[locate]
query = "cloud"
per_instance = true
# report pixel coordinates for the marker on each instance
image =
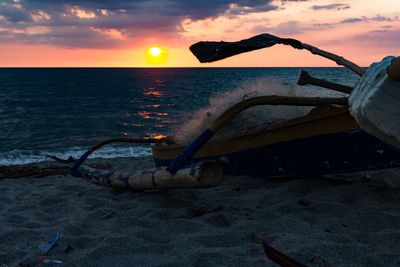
(235, 9)
(283, 1)
(289, 28)
(383, 38)
(376, 18)
(351, 20)
(330, 7)
(12, 11)
(74, 22)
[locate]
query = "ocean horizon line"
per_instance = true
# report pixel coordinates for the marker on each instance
(233, 67)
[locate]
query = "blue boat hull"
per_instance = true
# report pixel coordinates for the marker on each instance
(342, 152)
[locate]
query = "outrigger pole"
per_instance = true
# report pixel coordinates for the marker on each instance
(305, 79)
(213, 51)
(204, 174)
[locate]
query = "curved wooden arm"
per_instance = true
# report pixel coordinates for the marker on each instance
(188, 153)
(272, 100)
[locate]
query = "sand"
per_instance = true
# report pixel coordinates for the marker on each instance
(344, 220)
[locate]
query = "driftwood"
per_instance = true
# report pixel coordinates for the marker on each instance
(280, 258)
(275, 255)
(213, 51)
(20, 171)
(41, 169)
(137, 140)
(63, 166)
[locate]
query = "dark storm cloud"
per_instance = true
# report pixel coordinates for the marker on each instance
(210, 8)
(192, 8)
(68, 22)
(13, 14)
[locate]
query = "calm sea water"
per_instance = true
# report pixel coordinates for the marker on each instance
(64, 111)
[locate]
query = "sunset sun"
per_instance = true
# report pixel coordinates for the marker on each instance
(156, 55)
(155, 51)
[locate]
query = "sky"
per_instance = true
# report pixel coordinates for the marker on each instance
(119, 33)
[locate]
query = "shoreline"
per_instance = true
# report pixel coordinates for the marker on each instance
(340, 220)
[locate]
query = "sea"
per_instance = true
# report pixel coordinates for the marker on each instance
(63, 111)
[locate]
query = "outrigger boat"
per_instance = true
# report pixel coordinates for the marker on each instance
(340, 134)
(326, 141)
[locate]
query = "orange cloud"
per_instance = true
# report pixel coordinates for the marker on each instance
(82, 13)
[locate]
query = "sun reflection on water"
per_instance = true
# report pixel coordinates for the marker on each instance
(159, 136)
(152, 91)
(152, 110)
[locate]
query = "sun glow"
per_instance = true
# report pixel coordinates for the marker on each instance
(155, 51)
(156, 55)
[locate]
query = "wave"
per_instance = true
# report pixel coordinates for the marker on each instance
(21, 157)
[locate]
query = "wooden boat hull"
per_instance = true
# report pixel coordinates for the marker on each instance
(325, 141)
(375, 103)
(324, 154)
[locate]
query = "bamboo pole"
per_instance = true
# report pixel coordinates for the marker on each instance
(341, 61)
(201, 175)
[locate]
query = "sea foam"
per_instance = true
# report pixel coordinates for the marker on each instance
(19, 157)
(252, 118)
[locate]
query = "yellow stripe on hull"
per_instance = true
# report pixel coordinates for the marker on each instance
(321, 120)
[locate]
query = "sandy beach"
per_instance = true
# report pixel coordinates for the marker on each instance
(345, 220)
